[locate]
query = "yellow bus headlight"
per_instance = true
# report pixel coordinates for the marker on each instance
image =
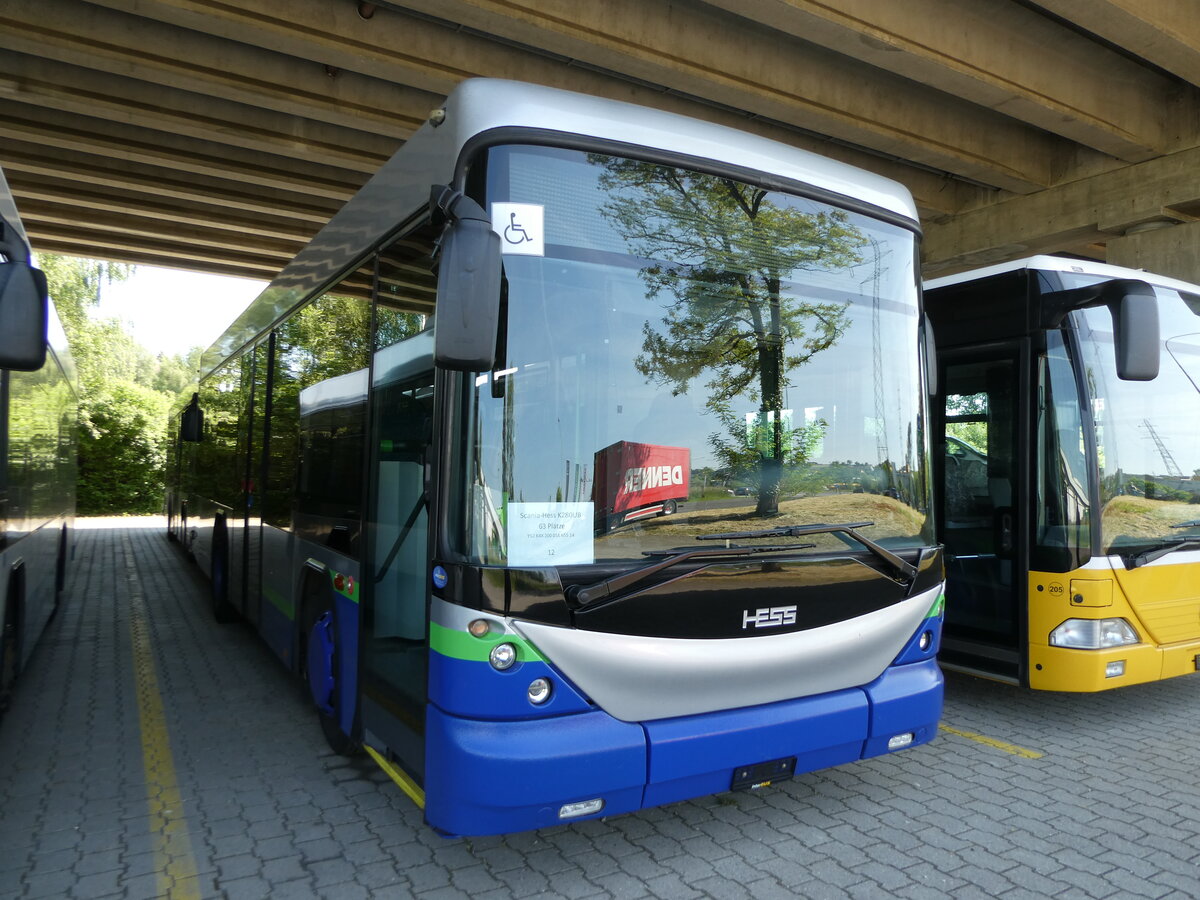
(1093, 634)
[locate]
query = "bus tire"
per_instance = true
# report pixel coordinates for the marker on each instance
(60, 570)
(669, 507)
(222, 609)
(10, 638)
(320, 664)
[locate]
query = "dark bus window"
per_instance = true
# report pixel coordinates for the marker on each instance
(314, 460)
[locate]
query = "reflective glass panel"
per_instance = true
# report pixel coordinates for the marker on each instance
(684, 355)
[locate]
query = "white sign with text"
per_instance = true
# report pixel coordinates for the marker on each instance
(550, 534)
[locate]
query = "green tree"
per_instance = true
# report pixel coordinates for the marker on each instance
(125, 392)
(123, 451)
(724, 251)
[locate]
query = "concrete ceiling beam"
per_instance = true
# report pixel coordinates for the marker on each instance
(89, 36)
(1163, 190)
(47, 196)
(72, 89)
(110, 246)
(24, 162)
(1005, 57)
(433, 56)
(707, 52)
(1163, 32)
(186, 156)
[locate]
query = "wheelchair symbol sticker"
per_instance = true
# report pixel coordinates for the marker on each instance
(520, 228)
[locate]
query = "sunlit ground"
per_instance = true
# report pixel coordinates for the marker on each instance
(121, 522)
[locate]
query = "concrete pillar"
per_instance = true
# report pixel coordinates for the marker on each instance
(1173, 250)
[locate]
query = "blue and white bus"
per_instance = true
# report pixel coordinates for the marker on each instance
(389, 467)
(38, 407)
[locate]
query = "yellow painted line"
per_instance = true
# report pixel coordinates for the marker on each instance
(174, 863)
(406, 784)
(992, 742)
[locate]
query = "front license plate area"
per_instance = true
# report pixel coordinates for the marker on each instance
(760, 775)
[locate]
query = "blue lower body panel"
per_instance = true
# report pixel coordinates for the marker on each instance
(493, 777)
(695, 755)
(489, 777)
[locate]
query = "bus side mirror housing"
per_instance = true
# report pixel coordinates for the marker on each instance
(467, 314)
(1136, 333)
(24, 305)
(1134, 311)
(191, 422)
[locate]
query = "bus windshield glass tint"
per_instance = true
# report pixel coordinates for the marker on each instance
(1147, 433)
(683, 354)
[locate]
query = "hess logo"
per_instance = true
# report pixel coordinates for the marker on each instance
(769, 617)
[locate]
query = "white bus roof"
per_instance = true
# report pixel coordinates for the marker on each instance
(1067, 265)
(399, 191)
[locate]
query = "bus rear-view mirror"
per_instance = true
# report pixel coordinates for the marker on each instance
(1135, 327)
(468, 292)
(24, 305)
(1134, 311)
(191, 422)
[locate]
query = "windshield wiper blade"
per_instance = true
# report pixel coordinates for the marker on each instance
(904, 570)
(583, 595)
(1149, 556)
(1195, 523)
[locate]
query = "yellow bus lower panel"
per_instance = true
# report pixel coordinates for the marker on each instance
(1101, 594)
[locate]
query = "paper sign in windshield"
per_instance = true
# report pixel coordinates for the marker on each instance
(520, 228)
(550, 534)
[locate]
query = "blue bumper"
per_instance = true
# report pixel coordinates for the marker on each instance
(490, 777)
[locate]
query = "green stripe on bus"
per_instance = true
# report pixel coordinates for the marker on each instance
(460, 645)
(281, 603)
(939, 606)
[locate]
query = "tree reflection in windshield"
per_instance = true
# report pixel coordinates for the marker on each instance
(726, 253)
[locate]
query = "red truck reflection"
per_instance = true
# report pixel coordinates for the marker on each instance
(637, 481)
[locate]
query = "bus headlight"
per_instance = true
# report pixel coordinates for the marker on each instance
(1093, 634)
(539, 691)
(503, 656)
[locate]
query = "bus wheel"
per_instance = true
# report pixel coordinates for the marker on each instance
(320, 667)
(669, 508)
(223, 610)
(10, 642)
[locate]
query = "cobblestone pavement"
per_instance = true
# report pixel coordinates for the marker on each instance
(1022, 795)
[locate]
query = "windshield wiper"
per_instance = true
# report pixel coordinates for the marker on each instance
(905, 571)
(1195, 523)
(583, 595)
(1149, 556)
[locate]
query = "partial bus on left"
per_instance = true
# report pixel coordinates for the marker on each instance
(38, 408)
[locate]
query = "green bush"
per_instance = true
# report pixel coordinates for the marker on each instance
(122, 449)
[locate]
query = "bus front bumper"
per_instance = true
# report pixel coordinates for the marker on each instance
(492, 777)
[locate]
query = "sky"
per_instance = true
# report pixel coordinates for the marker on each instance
(170, 310)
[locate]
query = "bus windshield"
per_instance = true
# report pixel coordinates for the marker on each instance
(686, 355)
(1148, 433)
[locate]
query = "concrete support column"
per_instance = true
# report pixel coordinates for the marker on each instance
(1173, 251)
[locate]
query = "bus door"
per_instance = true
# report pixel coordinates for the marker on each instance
(983, 480)
(395, 621)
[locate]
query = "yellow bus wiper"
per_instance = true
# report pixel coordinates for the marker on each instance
(1149, 556)
(904, 571)
(583, 595)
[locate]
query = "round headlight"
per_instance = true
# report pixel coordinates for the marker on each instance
(926, 640)
(539, 691)
(503, 656)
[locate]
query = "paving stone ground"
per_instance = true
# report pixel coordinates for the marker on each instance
(260, 808)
